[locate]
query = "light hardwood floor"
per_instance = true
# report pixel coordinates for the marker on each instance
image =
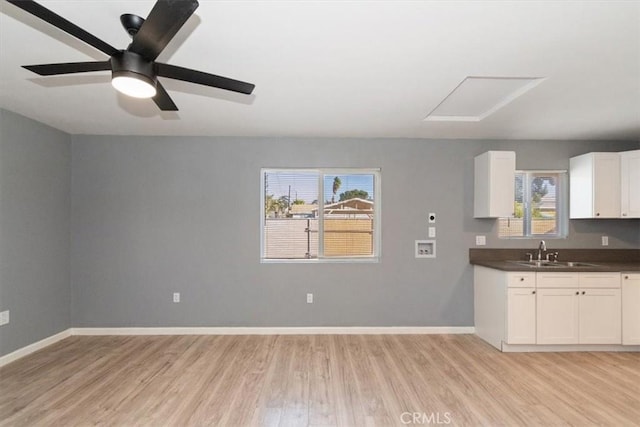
(320, 380)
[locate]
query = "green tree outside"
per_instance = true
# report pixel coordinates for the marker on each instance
(354, 194)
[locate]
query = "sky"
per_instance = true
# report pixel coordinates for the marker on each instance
(304, 185)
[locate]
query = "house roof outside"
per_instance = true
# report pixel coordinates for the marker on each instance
(354, 206)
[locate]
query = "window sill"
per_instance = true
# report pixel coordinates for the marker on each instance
(368, 260)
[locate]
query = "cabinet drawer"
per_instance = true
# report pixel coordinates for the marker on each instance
(558, 280)
(599, 280)
(521, 280)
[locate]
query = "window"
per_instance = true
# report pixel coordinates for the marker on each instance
(320, 214)
(539, 206)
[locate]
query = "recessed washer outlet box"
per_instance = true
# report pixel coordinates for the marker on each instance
(425, 248)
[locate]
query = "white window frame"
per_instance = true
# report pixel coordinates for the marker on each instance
(562, 206)
(377, 216)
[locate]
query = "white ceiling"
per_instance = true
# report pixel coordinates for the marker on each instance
(344, 69)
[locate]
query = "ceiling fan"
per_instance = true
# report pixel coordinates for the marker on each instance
(134, 71)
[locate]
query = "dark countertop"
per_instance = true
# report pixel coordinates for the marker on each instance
(598, 267)
(605, 260)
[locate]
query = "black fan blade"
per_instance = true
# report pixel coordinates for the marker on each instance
(206, 79)
(57, 21)
(164, 21)
(163, 100)
(68, 68)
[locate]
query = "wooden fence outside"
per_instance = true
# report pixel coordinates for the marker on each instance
(287, 238)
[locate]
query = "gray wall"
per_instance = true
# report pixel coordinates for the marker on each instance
(148, 216)
(154, 215)
(35, 172)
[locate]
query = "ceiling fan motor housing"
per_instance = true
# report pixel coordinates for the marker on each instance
(131, 23)
(130, 64)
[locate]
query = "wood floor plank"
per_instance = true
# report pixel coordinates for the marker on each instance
(295, 411)
(323, 380)
(348, 407)
(322, 398)
(376, 409)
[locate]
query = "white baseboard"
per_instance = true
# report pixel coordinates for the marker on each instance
(24, 351)
(352, 330)
(532, 348)
(240, 330)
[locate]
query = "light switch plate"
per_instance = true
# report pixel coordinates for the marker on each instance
(605, 240)
(481, 240)
(432, 232)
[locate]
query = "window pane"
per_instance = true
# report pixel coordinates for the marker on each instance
(349, 215)
(291, 214)
(538, 206)
(543, 205)
(319, 214)
(514, 227)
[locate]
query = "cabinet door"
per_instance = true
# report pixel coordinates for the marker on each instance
(631, 309)
(557, 316)
(630, 183)
(600, 316)
(606, 185)
(521, 316)
(494, 184)
(594, 186)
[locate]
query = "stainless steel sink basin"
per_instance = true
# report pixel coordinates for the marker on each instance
(577, 264)
(554, 264)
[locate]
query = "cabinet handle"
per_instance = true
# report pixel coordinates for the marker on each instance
(626, 277)
(533, 292)
(624, 214)
(577, 293)
(598, 214)
(522, 279)
(583, 292)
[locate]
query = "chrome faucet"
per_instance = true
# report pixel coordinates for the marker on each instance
(541, 248)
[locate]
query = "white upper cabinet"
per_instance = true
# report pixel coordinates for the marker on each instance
(494, 184)
(630, 183)
(595, 186)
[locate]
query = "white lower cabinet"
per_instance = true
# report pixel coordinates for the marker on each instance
(558, 316)
(547, 308)
(579, 308)
(504, 306)
(600, 316)
(631, 308)
(521, 315)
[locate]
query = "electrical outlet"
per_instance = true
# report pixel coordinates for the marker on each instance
(481, 240)
(605, 240)
(176, 297)
(4, 318)
(309, 298)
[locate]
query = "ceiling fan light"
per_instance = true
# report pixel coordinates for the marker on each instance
(133, 84)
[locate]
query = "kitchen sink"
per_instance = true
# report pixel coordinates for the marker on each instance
(554, 264)
(577, 264)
